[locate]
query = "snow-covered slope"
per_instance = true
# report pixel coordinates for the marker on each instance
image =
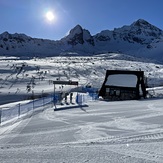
(140, 39)
(21, 78)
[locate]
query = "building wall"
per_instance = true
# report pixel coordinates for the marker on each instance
(123, 85)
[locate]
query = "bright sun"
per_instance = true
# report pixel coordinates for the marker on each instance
(50, 16)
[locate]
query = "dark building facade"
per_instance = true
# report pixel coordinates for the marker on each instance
(123, 85)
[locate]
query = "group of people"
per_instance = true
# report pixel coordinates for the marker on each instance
(63, 96)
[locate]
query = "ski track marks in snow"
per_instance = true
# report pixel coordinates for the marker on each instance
(123, 125)
(103, 132)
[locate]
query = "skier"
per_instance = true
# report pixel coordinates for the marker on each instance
(66, 94)
(71, 95)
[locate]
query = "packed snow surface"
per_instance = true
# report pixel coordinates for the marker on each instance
(98, 131)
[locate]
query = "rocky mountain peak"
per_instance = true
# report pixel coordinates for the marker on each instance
(141, 22)
(78, 35)
(76, 30)
(4, 35)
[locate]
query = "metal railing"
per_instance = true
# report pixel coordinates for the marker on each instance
(17, 110)
(14, 111)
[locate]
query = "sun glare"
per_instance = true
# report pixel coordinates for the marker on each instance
(50, 16)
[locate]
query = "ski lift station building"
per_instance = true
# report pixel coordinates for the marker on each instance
(123, 85)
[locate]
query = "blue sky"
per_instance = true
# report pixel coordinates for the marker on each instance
(28, 16)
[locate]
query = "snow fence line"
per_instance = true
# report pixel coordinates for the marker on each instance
(14, 111)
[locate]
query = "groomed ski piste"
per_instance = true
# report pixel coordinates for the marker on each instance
(90, 131)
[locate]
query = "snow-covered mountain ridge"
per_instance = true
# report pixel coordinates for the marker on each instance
(140, 39)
